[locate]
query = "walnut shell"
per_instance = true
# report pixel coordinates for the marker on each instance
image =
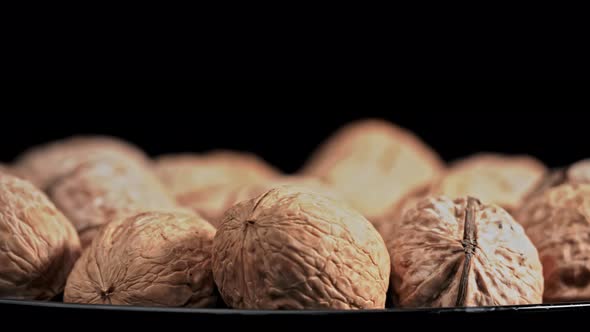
(558, 223)
(203, 182)
(493, 178)
(38, 245)
(578, 172)
(99, 191)
(147, 259)
(44, 163)
(463, 253)
(373, 164)
(296, 249)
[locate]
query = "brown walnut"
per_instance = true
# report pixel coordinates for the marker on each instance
(374, 164)
(291, 248)
(558, 222)
(147, 259)
(38, 245)
(462, 253)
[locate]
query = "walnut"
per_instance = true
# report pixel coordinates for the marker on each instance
(99, 191)
(373, 164)
(558, 223)
(203, 182)
(43, 164)
(493, 178)
(4, 169)
(38, 245)
(578, 172)
(462, 253)
(291, 248)
(147, 259)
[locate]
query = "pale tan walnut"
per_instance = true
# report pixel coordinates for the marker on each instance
(38, 245)
(44, 163)
(99, 191)
(494, 178)
(147, 259)
(373, 164)
(462, 253)
(558, 223)
(291, 248)
(203, 182)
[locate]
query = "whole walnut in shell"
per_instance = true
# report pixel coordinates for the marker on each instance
(558, 223)
(462, 253)
(99, 191)
(295, 249)
(373, 164)
(578, 172)
(493, 178)
(204, 182)
(38, 245)
(147, 259)
(44, 163)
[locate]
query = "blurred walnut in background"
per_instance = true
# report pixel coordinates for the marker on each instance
(373, 164)
(203, 182)
(47, 162)
(38, 245)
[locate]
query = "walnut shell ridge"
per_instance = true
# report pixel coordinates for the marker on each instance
(294, 249)
(373, 164)
(148, 259)
(558, 223)
(439, 259)
(38, 245)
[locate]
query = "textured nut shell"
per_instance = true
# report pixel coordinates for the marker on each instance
(294, 249)
(493, 178)
(43, 164)
(427, 257)
(203, 182)
(102, 190)
(579, 172)
(38, 245)
(148, 259)
(558, 223)
(373, 164)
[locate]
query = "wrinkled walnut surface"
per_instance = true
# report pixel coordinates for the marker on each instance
(558, 223)
(373, 164)
(99, 191)
(148, 259)
(203, 182)
(44, 163)
(38, 245)
(430, 248)
(493, 178)
(295, 249)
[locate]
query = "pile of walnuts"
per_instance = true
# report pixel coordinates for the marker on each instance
(374, 219)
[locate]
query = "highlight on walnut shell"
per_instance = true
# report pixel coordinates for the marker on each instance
(461, 252)
(99, 191)
(373, 164)
(42, 164)
(148, 259)
(558, 223)
(494, 178)
(38, 245)
(203, 182)
(295, 249)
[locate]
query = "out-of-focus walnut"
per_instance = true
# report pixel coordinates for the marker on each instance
(578, 172)
(99, 191)
(462, 253)
(558, 223)
(493, 178)
(4, 169)
(291, 248)
(203, 182)
(373, 164)
(43, 164)
(147, 259)
(38, 245)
